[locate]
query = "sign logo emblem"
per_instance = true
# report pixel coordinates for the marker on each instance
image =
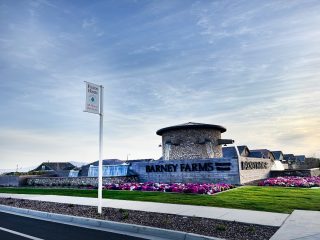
(92, 99)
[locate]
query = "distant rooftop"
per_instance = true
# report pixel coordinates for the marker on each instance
(301, 157)
(278, 154)
(267, 153)
(191, 125)
(257, 154)
(56, 166)
(231, 151)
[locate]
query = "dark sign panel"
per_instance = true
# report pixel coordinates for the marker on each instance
(253, 165)
(192, 167)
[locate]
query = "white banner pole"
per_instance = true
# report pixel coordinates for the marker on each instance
(100, 151)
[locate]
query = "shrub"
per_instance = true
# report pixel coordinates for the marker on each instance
(251, 229)
(221, 227)
(165, 222)
(126, 216)
(71, 205)
(53, 184)
(122, 210)
(69, 184)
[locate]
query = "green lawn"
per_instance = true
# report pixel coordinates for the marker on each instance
(270, 199)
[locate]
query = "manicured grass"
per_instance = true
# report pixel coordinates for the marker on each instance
(270, 199)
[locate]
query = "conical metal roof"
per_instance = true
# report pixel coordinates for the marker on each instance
(191, 125)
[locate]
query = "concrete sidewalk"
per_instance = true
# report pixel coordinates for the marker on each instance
(228, 214)
(300, 225)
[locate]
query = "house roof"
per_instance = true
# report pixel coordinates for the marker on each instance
(265, 152)
(191, 125)
(107, 162)
(301, 157)
(289, 157)
(256, 154)
(242, 148)
(231, 151)
(277, 154)
(58, 166)
(140, 160)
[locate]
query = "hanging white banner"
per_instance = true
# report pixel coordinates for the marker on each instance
(92, 98)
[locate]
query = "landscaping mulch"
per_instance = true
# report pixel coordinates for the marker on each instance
(255, 182)
(197, 225)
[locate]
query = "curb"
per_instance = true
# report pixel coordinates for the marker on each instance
(148, 231)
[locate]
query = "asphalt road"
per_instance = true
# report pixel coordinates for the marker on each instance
(40, 229)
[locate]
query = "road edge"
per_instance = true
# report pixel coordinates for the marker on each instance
(106, 225)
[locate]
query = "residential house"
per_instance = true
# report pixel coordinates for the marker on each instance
(289, 158)
(256, 154)
(61, 169)
(267, 153)
(300, 158)
(231, 151)
(279, 155)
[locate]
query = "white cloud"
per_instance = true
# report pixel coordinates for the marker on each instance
(71, 36)
(37, 3)
(100, 33)
(88, 22)
(147, 49)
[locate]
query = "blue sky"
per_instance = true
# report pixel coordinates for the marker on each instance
(251, 66)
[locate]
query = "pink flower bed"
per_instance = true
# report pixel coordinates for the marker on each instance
(204, 188)
(305, 182)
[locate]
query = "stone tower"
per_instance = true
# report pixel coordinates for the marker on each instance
(191, 141)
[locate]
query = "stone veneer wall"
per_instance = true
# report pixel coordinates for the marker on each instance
(285, 165)
(15, 181)
(314, 172)
(188, 148)
(9, 181)
(23, 179)
(82, 180)
(225, 170)
(299, 167)
(294, 166)
(247, 175)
